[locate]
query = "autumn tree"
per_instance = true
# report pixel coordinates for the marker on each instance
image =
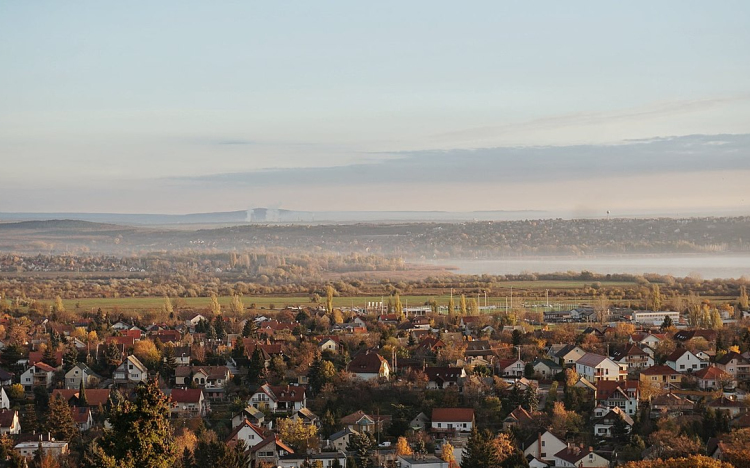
(462, 304)
(446, 454)
(654, 299)
(235, 305)
(696, 461)
(329, 299)
(146, 352)
(139, 435)
(402, 447)
(742, 302)
(296, 433)
(214, 305)
(360, 444)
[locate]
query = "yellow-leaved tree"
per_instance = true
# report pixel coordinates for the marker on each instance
(402, 447)
(296, 433)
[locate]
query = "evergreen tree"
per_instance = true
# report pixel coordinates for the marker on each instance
(238, 350)
(168, 362)
(250, 329)
(530, 398)
(48, 357)
(60, 423)
(480, 451)
(221, 334)
(360, 445)
(82, 400)
(667, 323)
(140, 435)
(257, 366)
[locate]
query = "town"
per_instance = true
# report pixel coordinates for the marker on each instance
(377, 386)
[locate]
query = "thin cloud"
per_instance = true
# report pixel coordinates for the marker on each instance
(672, 155)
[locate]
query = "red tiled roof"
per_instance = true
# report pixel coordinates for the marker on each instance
(186, 395)
(659, 370)
(80, 415)
(452, 415)
(94, 396)
(712, 373)
(6, 417)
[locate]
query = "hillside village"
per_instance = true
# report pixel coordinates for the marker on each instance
(325, 387)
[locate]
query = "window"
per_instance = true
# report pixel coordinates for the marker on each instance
(543, 442)
(682, 366)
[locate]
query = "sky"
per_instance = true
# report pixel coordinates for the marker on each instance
(184, 107)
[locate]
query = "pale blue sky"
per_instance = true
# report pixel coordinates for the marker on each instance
(147, 106)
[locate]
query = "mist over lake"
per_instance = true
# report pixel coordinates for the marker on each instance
(707, 266)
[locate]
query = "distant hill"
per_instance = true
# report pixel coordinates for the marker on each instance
(271, 215)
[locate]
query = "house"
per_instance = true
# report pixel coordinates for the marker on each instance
(576, 457)
(420, 461)
(212, 379)
(704, 337)
(369, 365)
(322, 459)
(6, 378)
(444, 377)
(279, 399)
(81, 372)
(39, 374)
(510, 367)
(340, 439)
(9, 422)
(251, 434)
(360, 421)
(188, 403)
(451, 420)
(131, 371)
(670, 405)
(516, 417)
(182, 355)
(270, 450)
(633, 357)
(595, 367)
(420, 422)
(733, 407)
(4, 400)
(329, 343)
(566, 355)
(713, 378)
(83, 417)
(647, 339)
(95, 397)
(734, 364)
(479, 349)
(194, 320)
(54, 448)
(662, 376)
(606, 418)
(307, 417)
(547, 368)
(683, 361)
(252, 414)
(543, 446)
(622, 394)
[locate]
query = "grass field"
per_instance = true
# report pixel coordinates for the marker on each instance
(497, 298)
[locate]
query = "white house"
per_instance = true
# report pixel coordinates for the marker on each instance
(567, 355)
(595, 367)
(683, 360)
(130, 371)
(9, 422)
(576, 457)
(543, 447)
(322, 459)
(49, 447)
(4, 400)
(81, 372)
(370, 365)
(605, 418)
(188, 403)
(251, 434)
(40, 374)
(451, 420)
(280, 399)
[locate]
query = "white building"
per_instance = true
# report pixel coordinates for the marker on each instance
(595, 367)
(130, 371)
(647, 317)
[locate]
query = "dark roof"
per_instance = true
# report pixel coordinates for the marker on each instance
(727, 358)
(6, 417)
(452, 414)
(366, 363)
(659, 370)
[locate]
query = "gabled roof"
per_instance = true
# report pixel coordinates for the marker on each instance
(630, 350)
(520, 414)
(186, 395)
(724, 402)
(573, 454)
(343, 433)
(7, 417)
(616, 411)
(547, 362)
(245, 423)
(80, 415)
(269, 440)
(606, 389)
(452, 415)
(94, 396)
(505, 363)
(137, 363)
(727, 358)
(591, 359)
(44, 367)
(685, 335)
(368, 362)
(659, 370)
(712, 373)
(445, 374)
(677, 354)
(357, 416)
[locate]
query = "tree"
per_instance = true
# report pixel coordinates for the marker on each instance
(59, 306)
(296, 433)
(667, 323)
(481, 451)
(360, 444)
(250, 329)
(446, 454)
(530, 398)
(463, 304)
(320, 373)
(168, 308)
(82, 400)
(219, 328)
(451, 307)
(60, 422)
(329, 299)
(140, 434)
(214, 305)
(742, 302)
(696, 461)
(146, 352)
(398, 307)
(654, 300)
(236, 306)
(257, 366)
(402, 447)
